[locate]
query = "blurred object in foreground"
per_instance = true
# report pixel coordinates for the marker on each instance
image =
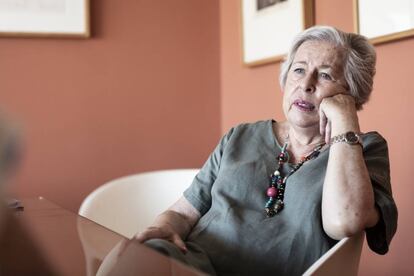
(14, 204)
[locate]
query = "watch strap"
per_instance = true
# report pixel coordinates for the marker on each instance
(349, 137)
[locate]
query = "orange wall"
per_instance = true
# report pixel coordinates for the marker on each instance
(141, 94)
(249, 94)
(145, 92)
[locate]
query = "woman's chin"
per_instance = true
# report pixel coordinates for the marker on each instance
(303, 121)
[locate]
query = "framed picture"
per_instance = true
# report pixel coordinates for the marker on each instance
(57, 18)
(383, 21)
(269, 26)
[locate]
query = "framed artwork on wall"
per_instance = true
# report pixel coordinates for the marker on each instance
(44, 18)
(269, 26)
(383, 21)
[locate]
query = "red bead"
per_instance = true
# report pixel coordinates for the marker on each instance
(271, 192)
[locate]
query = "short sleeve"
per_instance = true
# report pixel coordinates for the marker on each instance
(199, 192)
(377, 162)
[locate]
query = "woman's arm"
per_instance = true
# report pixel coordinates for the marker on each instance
(173, 225)
(348, 204)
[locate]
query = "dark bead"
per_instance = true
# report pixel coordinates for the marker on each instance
(270, 212)
(278, 206)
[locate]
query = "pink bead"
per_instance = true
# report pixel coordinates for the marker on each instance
(271, 192)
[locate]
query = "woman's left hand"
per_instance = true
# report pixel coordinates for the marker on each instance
(338, 115)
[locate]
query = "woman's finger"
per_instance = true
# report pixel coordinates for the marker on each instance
(328, 132)
(176, 239)
(150, 233)
(158, 233)
(322, 122)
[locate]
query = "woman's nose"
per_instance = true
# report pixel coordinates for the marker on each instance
(308, 83)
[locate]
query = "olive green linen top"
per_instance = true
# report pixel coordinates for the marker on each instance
(230, 194)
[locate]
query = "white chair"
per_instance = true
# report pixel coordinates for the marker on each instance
(340, 260)
(129, 204)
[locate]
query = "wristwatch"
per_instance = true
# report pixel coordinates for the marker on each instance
(349, 137)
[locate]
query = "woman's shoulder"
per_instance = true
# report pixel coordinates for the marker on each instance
(374, 143)
(373, 137)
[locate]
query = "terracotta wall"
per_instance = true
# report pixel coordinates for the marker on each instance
(145, 92)
(250, 94)
(141, 94)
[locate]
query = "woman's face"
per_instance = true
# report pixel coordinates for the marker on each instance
(316, 73)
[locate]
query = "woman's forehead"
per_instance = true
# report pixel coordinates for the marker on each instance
(320, 53)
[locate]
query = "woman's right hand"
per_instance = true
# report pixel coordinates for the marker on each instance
(172, 225)
(165, 232)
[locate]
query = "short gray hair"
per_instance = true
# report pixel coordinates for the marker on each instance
(360, 59)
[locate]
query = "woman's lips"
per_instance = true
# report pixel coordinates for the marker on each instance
(304, 105)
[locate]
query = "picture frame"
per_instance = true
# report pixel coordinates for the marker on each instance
(269, 26)
(45, 18)
(384, 21)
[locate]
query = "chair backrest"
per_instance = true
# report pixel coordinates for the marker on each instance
(129, 204)
(341, 260)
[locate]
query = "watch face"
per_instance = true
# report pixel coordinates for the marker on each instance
(351, 137)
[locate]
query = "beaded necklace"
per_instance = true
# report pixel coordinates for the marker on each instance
(276, 190)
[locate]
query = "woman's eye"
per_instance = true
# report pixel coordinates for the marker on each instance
(325, 76)
(299, 70)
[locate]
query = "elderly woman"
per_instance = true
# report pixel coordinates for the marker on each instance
(276, 195)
